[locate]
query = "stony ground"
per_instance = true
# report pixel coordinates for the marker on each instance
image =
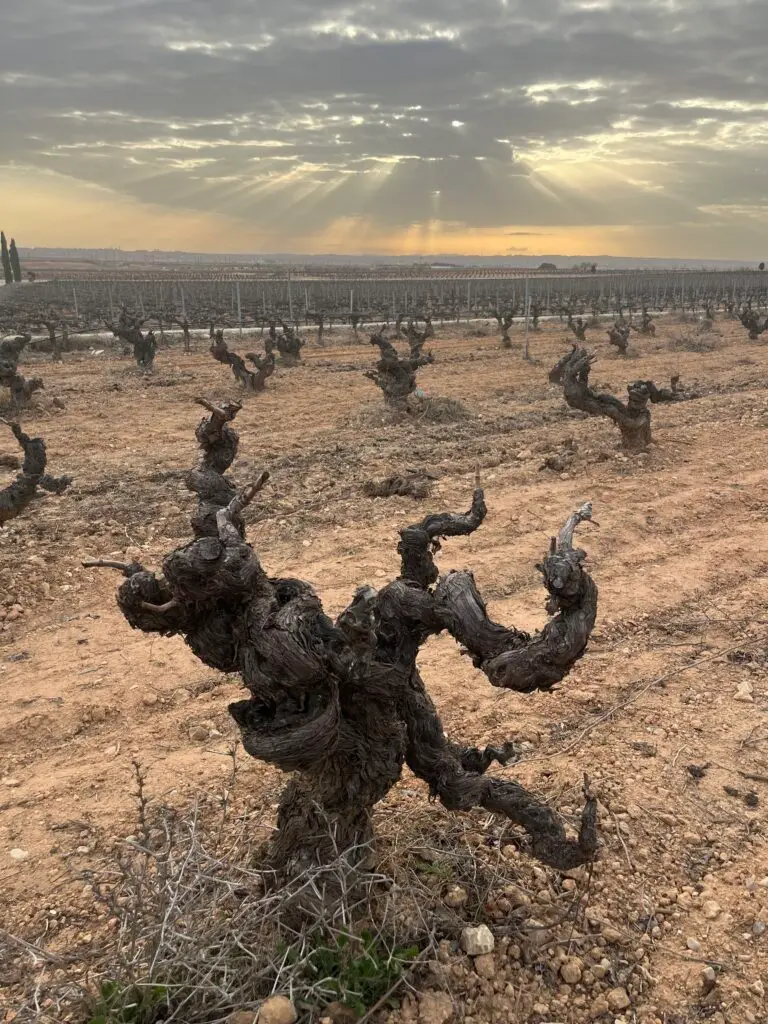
(667, 712)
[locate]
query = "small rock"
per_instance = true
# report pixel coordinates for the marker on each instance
(455, 897)
(571, 971)
(758, 929)
(149, 700)
(198, 734)
(757, 988)
(338, 1013)
(711, 910)
(600, 970)
(612, 935)
(618, 999)
(744, 692)
(435, 1008)
(485, 966)
(477, 941)
(708, 979)
(516, 896)
(11, 783)
(19, 854)
(277, 1010)
(694, 945)
(578, 874)
(599, 1007)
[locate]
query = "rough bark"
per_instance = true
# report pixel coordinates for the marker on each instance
(618, 336)
(578, 327)
(417, 338)
(21, 388)
(288, 343)
(342, 704)
(556, 373)
(395, 374)
(54, 340)
(505, 320)
(128, 330)
(186, 337)
(633, 418)
(751, 322)
(647, 326)
(19, 493)
(251, 380)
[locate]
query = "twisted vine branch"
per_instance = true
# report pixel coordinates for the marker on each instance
(342, 704)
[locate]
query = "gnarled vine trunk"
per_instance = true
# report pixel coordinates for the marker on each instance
(289, 343)
(395, 374)
(186, 337)
(505, 319)
(128, 330)
(647, 326)
(21, 388)
(19, 493)
(251, 380)
(618, 336)
(750, 320)
(342, 704)
(578, 327)
(633, 418)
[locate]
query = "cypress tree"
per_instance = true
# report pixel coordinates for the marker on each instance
(7, 272)
(15, 261)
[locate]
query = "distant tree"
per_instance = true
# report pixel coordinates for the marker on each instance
(547, 266)
(7, 271)
(13, 255)
(761, 267)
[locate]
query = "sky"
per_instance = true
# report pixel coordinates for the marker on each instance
(622, 127)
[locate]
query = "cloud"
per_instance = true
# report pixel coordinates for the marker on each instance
(310, 121)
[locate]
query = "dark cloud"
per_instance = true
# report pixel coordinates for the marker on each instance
(292, 114)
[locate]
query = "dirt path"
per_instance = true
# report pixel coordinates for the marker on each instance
(681, 559)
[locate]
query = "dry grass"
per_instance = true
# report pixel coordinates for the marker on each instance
(197, 930)
(698, 337)
(408, 485)
(439, 410)
(419, 409)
